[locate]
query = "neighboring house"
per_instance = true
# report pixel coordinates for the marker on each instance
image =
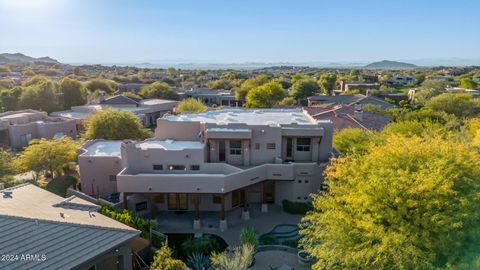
(346, 116)
(212, 97)
(213, 161)
(40, 230)
(401, 80)
(148, 110)
(130, 87)
(325, 100)
(17, 128)
(344, 86)
(352, 116)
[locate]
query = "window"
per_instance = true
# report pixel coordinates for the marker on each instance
(303, 144)
(217, 199)
(157, 167)
(195, 167)
(58, 135)
(270, 146)
(159, 198)
(235, 148)
(112, 178)
(257, 146)
(177, 167)
(24, 139)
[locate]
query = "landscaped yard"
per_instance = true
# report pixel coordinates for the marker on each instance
(59, 185)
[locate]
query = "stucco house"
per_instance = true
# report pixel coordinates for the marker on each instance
(212, 97)
(17, 128)
(213, 161)
(148, 110)
(40, 230)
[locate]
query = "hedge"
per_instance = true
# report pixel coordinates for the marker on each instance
(127, 218)
(296, 208)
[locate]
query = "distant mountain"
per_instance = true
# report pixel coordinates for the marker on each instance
(19, 58)
(386, 64)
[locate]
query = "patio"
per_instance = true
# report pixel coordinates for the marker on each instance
(171, 222)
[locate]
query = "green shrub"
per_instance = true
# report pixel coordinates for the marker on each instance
(268, 239)
(127, 218)
(291, 243)
(296, 208)
(205, 244)
(249, 236)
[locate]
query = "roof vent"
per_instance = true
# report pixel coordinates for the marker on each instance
(7, 194)
(62, 215)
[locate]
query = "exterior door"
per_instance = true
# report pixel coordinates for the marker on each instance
(269, 191)
(221, 151)
(177, 201)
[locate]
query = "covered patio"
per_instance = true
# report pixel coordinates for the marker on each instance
(262, 222)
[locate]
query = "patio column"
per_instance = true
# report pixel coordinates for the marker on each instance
(245, 212)
(264, 197)
(223, 220)
(151, 204)
(125, 202)
(196, 221)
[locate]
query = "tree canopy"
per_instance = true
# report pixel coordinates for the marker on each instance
(71, 93)
(190, 105)
(50, 156)
(108, 86)
(411, 203)
(40, 97)
(265, 96)
(460, 105)
(249, 84)
(6, 167)
(158, 90)
(115, 125)
(327, 82)
(304, 88)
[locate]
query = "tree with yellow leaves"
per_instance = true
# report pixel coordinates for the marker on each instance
(410, 203)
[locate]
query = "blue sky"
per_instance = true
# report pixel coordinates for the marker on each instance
(240, 31)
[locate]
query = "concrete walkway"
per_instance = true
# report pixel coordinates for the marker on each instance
(170, 222)
(265, 260)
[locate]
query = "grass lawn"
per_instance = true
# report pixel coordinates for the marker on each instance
(59, 185)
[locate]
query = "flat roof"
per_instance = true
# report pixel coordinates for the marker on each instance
(104, 149)
(247, 116)
(72, 114)
(154, 101)
(170, 145)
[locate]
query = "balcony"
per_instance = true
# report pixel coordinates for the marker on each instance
(213, 178)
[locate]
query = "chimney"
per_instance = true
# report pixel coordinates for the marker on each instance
(342, 86)
(358, 113)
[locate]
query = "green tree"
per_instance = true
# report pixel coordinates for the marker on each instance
(304, 88)
(354, 140)
(191, 105)
(105, 85)
(327, 82)
(163, 260)
(460, 105)
(411, 203)
(6, 167)
(158, 90)
(46, 156)
(42, 97)
(9, 99)
(6, 83)
(468, 83)
(115, 125)
(249, 84)
(429, 89)
(425, 128)
(265, 96)
(239, 259)
(37, 79)
(288, 101)
(71, 93)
